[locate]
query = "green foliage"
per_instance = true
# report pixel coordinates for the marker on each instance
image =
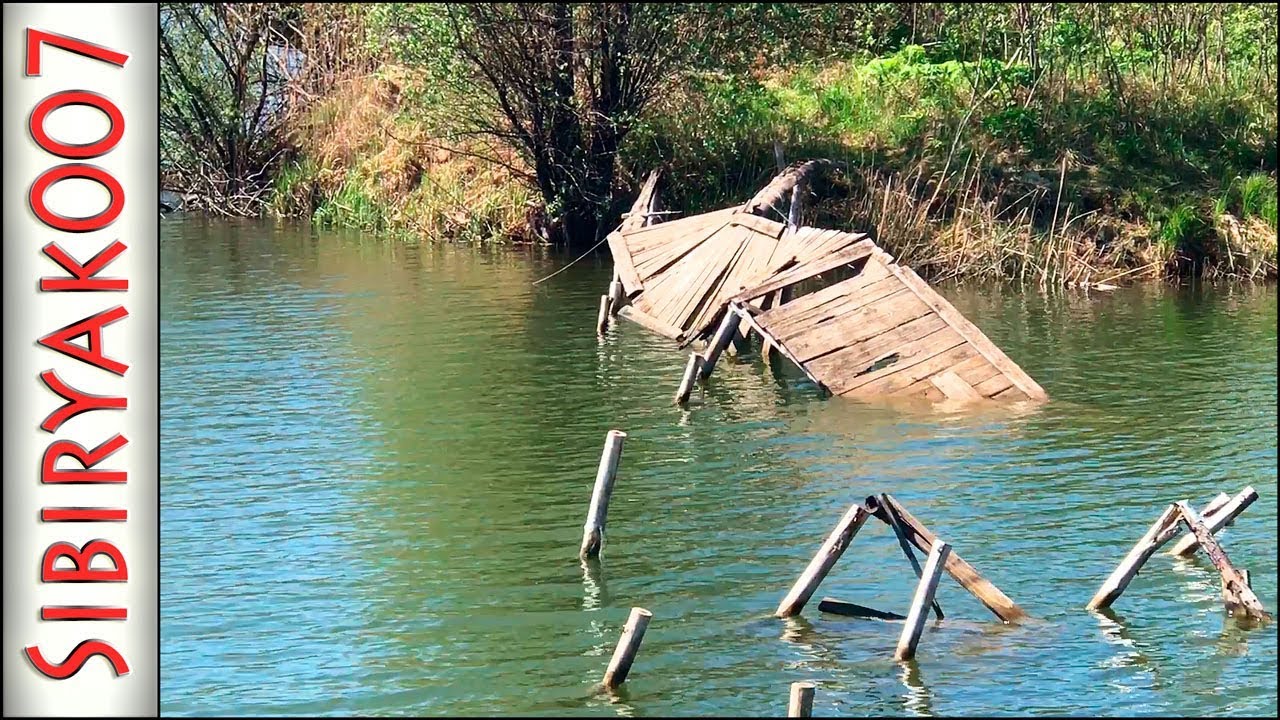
(1181, 229)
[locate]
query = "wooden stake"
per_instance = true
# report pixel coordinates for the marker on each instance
(1119, 579)
(724, 336)
(896, 524)
(1216, 518)
(801, 704)
(602, 318)
(598, 512)
(925, 591)
(1165, 529)
(1236, 593)
(616, 296)
(690, 376)
(832, 548)
(628, 645)
(964, 573)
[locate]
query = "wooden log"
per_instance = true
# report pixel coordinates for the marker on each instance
(896, 524)
(848, 609)
(628, 645)
(602, 318)
(1236, 593)
(925, 591)
(964, 573)
(1217, 518)
(598, 511)
(1165, 529)
(720, 341)
(691, 372)
(801, 702)
(832, 548)
(771, 195)
(1119, 579)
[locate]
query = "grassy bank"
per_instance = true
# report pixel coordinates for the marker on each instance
(959, 168)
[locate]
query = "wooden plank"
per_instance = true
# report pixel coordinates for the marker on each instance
(970, 332)
(1219, 515)
(804, 272)
(748, 311)
(647, 321)
(964, 573)
(842, 309)
(848, 361)
(848, 609)
(994, 385)
(764, 226)
(849, 329)
(954, 388)
(976, 370)
(1237, 594)
(622, 264)
(847, 295)
(932, 354)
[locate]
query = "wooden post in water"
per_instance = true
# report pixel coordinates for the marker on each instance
(925, 591)
(628, 645)
(691, 372)
(896, 524)
(1236, 593)
(801, 703)
(832, 548)
(593, 530)
(616, 296)
(602, 318)
(724, 336)
(1165, 529)
(1217, 518)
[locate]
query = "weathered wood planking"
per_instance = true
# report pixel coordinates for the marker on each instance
(885, 332)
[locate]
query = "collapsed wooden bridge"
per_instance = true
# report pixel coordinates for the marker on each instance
(879, 331)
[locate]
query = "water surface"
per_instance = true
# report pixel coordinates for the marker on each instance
(377, 458)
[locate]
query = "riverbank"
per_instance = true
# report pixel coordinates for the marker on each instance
(960, 169)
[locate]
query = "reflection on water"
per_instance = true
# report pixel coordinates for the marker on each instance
(377, 459)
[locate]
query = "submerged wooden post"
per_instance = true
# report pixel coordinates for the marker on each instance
(896, 524)
(925, 591)
(602, 318)
(1237, 595)
(832, 548)
(801, 703)
(1165, 529)
(628, 645)
(593, 530)
(964, 573)
(724, 336)
(1217, 518)
(691, 372)
(1119, 579)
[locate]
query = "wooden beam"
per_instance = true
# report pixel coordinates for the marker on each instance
(649, 322)
(1237, 595)
(800, 273)
(832, 548)
(848, 609)
(1217, 518)
(598, 511)
(896, 524)
(691, 373)
(751, 323)
(964, 573)
(628, 645)
(925, 591)
(801, 702)
(1147, 546)
(720, 341)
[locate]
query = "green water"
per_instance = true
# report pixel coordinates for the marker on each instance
(377, 458)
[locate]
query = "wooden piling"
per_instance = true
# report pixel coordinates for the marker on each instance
(602, 318)
(1236, 593)
(1165, 529)
(691, 372)
(598, 512)
(801, 703)
(1119, 579)
(616, 296)
(1216, 518)
(925, 591)
(964, 573)
(832, 548)
(896, 524)
(724, 336)
(628, 645)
